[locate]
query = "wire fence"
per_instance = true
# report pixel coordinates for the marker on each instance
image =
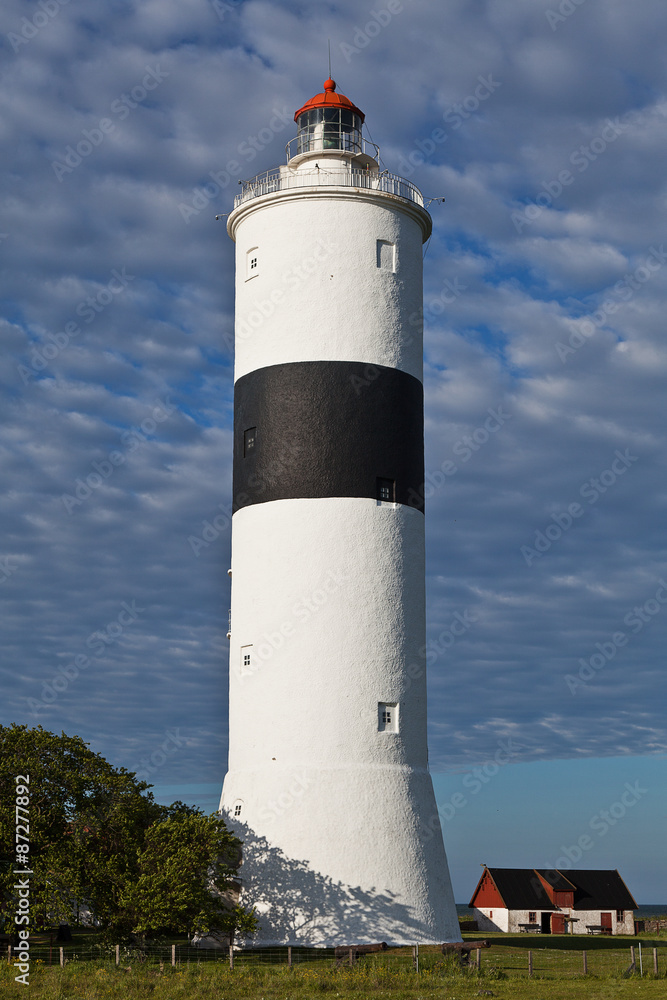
(498, 962)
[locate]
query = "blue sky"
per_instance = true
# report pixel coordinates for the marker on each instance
(126, 127)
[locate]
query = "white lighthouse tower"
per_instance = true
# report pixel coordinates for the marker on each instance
(328, 783)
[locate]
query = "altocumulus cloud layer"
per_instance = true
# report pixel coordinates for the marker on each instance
(126, 126)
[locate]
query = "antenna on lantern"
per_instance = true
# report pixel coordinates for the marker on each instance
(329, 41)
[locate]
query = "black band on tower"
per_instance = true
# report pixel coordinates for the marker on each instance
(328, 429)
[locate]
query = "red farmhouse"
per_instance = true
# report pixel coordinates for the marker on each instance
(546, 901)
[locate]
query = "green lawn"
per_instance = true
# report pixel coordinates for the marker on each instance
(557, 974)
(91, 981)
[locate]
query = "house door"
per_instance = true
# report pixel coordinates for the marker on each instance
(605, 923)
(557, 923)
(546, 923)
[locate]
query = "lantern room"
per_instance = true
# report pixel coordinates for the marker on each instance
(329, 121)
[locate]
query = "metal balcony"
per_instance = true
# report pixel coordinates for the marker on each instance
(280, 180)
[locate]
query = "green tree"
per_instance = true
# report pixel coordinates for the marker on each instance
(185, 881)
(99, 839)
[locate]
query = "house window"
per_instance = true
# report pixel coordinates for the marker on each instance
(386, 255)
(620, 916)
(249, 439)
(490, 914)
(532, 917)
(237, 809)
(387, 717)
(252, 263)
(386, 490)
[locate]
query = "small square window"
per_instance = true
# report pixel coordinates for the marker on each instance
(249, 441)
(620, 916)
(532, 917)
(252, 263)
(386, 490)
(237, 810)
(246, 661)
(387, 717)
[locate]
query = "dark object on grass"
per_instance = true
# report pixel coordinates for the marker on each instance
(353, 952)
(463, 949)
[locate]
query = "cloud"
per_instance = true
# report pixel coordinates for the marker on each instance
(163, 336)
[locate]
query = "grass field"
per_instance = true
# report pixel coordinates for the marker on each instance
(557, 974)
(215, 982)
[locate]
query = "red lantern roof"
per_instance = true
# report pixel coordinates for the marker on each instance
(330, 99)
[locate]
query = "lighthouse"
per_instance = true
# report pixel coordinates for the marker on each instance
(328, 784)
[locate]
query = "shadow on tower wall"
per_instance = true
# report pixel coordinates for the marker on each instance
(297, 905)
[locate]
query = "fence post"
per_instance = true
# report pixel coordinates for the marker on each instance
(117, 954)
(530, 963)
(173, 954)
(289, 956)
(655, 961)
(585, 963)
(632, 954)
(62, 958)
(415, 957)
(231, 957)
(9, 954)
(478, 959)
(351, 959)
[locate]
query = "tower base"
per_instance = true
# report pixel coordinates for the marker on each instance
(345, 857)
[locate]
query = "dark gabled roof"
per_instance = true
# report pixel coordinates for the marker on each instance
(600, 890)
(520, 889)
(556, 880)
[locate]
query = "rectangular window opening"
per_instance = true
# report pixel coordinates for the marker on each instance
(252, 263)
(386, 255)
(387, 717)
(386, 490)
(249, 440)
(246, 660)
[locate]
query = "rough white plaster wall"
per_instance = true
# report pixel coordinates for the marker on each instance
(592, 917)
(517, 917)
(319, 294)
(341, 855)
(509, 920)
(333, 606)
(498, 922)
(330, 593)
